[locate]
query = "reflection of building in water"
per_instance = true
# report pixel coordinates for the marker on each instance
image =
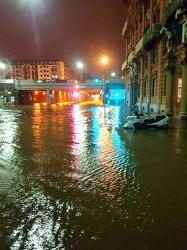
(155, 34)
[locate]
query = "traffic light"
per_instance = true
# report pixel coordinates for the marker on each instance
(96, 79)
(50, 94)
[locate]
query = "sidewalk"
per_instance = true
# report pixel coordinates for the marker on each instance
(176, 123)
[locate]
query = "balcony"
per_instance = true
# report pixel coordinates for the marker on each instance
(131, 57)
(152, 36)
(138, 46)
(170, 8)
(142, 1)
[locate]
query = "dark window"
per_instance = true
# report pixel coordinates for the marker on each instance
(145, 62)
(164, 46)
(154, 55)
(139, 68)
(145, 88)
(178, 35)
(164, 87)
(153, 89)
(138, 90)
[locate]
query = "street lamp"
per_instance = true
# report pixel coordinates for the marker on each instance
(104, 61)
(80, 66)
(113, 74)
(2, 65)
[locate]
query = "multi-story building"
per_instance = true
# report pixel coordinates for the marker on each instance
(155, 66)
(39, 70)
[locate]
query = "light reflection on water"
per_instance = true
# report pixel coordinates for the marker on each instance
(72, 178)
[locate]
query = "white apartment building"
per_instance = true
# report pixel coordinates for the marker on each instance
(39, 70)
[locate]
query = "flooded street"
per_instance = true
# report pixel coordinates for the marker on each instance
(72, 178)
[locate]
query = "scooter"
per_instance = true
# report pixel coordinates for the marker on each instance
(140, 121)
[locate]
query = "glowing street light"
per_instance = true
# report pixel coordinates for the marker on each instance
(113, 74)
(2, 65)
(3, 72)
(104, 60)
(75, 94)
(80, 66)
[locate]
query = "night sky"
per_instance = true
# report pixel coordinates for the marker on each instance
(67, 30)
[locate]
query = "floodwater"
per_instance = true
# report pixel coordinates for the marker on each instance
(72, 178)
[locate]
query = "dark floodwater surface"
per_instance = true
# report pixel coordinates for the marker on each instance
(72, 178)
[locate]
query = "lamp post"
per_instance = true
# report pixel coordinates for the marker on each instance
(80, 66)
(104, 61)
(2, 69)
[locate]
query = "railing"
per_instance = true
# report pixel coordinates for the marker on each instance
(170, 7)
(131, 56)
(124, 29)
(147, 14)
(152, 33)
(124, 65)
(138, 46)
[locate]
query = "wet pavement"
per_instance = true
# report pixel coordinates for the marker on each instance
(72, 178)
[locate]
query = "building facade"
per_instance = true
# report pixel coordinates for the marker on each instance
(39, 70)
(155, 66)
